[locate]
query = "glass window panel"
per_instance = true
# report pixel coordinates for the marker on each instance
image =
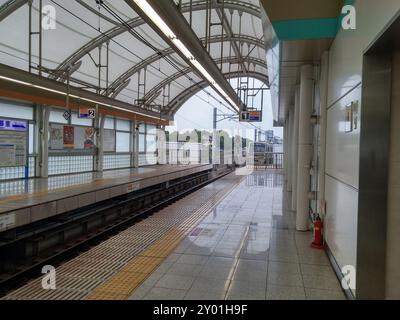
(142, 143)
(81, 122)
(123, 142)
(142, 128)
(11, 110)
(56, 115)
(124, 125)
(109, 123)
(151, 144)
(151, 129)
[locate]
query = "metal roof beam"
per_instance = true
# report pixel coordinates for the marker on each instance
(227, 28)
(9, 7)
(138, 21)
(184, 96)
(136, 68)
(177, 75)
(169, 13)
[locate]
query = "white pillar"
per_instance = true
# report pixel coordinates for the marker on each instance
(323, 123)
(289, 150)
(305, 148)
(295, 146)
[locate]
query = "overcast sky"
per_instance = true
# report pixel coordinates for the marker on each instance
(197, 113)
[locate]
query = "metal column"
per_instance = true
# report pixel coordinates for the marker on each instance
(305, 148)
(99, 127)
(136, 145)
(43, 114)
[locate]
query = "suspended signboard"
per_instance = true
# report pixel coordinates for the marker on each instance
(13, 143)
(87, 113)
(250, 116)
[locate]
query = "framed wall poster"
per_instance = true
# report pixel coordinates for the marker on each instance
(69, 137)
(56, 137)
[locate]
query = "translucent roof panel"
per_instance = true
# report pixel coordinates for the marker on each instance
(84, 26)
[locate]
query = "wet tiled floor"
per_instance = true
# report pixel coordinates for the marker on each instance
(246, 248)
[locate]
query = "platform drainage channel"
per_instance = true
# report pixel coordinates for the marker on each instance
(114, 268)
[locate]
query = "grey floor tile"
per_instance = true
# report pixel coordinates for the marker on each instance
(314, 259)
(319, 282)
(193, 259)
(285, 279)
(152, 279)
(205, 295)
(172, 257)
(252, 265)
(283, 267)
(318, 294)
(244, 274)
(244, 290)
(213, 272)
(223, 262)
(165, 294)
(281, 257)
(209, 284)
(275, 292)
(184, 269)
(321, 270)
(163, 267)
(175, 282)
(140, 292)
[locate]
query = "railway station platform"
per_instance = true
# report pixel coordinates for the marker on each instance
(25, 202)
(232, 239)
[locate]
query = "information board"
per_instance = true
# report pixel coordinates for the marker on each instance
(250, 116)
(13, 143)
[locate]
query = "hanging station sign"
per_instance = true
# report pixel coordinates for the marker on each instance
(87, 113)
(13, 143)
(250, 116)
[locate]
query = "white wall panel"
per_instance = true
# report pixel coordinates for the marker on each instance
(347, 50)
(341, 221)
(343, 149)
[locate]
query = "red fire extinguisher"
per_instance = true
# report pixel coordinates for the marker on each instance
(318, 241)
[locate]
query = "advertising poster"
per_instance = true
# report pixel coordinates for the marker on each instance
(84, 138)
(56, 137)
(68, 137)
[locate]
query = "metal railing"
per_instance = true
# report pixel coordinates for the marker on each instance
(269, 160)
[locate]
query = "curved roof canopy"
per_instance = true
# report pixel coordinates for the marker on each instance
(110, 50)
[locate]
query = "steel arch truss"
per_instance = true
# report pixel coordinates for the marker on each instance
(185, 95)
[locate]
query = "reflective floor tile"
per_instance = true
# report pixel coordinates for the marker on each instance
(318, 294)
(165, 294)
(275, 292)
(175, 282)
(285, 279)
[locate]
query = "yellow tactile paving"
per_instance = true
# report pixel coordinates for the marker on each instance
(122, 285)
